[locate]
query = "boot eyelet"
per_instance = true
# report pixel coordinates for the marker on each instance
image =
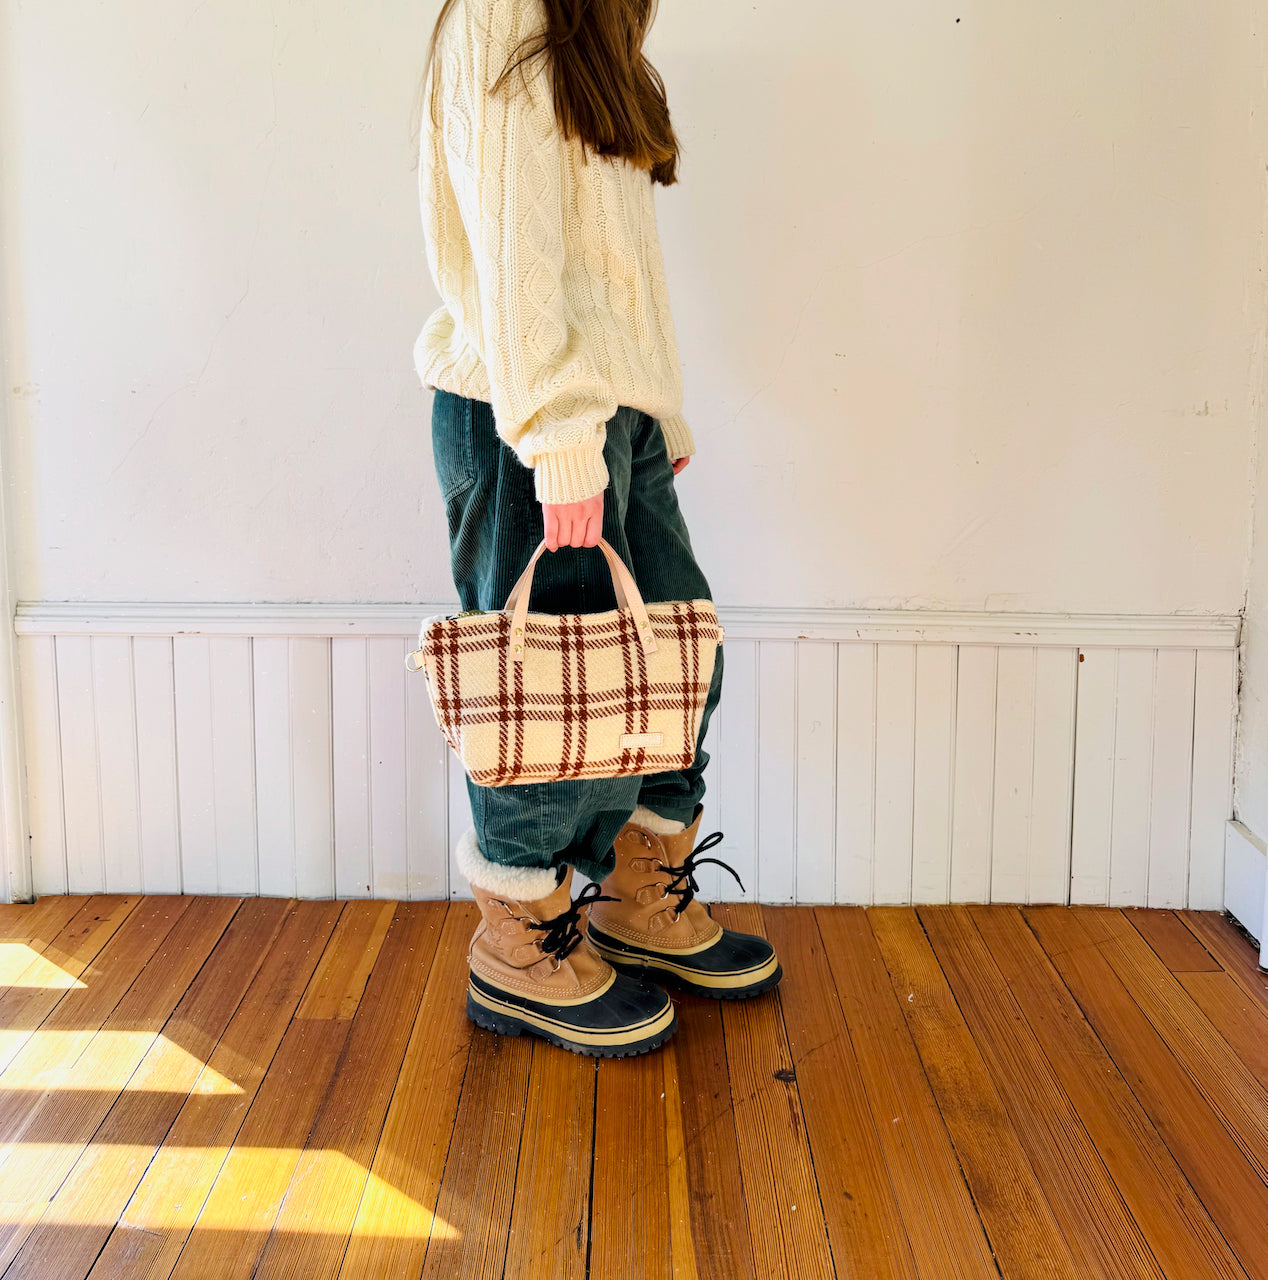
(539, 974)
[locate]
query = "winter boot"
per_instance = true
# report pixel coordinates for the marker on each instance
(533, 970)
(651, 922)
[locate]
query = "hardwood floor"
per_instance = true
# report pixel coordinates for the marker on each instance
(224, 1087)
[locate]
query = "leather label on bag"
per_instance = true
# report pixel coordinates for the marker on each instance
(641, 739)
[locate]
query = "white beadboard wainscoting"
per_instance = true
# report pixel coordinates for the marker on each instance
(858, 756)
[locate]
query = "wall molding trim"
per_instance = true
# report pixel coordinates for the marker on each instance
(1113, 630)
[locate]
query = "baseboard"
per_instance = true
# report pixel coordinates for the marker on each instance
(1246, 880)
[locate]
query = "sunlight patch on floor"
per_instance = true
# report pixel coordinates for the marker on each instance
(119, 1053)
(398, 1214)
(387, 1211)
(23, 967)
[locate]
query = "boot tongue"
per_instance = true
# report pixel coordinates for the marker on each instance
(678, 846)
(682, 857)
(557, 901)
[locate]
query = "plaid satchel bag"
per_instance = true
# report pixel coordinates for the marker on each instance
(536, 697)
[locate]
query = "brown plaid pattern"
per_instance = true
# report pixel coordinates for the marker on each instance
(584, 683)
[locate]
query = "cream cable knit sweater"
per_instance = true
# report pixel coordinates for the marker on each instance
(554, 301)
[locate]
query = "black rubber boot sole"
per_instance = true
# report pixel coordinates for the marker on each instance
(510, 1022)
(650, 972)
(650, 966)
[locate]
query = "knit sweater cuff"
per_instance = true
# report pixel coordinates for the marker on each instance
(571, 475)
(678, 441)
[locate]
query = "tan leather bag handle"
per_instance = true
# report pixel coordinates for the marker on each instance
(623, 584)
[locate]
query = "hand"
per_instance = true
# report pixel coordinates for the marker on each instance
(573, 524)
(680, 463)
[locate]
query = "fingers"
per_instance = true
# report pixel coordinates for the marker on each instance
(573, 524)
(590, 526)
(680, 464)
(562, 528)
(593, 521)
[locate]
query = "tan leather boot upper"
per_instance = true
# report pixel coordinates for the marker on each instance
(507, 949)
(647, 912)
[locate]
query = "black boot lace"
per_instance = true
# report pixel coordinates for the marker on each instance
(682, 880)
(561, 933)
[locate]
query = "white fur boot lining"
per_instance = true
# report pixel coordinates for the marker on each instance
(525, 884)
(649, 821)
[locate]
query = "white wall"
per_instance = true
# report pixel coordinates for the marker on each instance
(1250, 797)
(1252, 791)
(1247, 866)
(1246, 837)
(964, 298)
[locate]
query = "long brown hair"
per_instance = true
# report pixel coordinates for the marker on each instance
(606, 93)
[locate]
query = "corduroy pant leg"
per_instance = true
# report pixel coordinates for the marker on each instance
(665, 568)
(495, 524)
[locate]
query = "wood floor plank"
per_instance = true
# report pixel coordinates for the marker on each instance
(76, 1018)
(682, 1245)
(1235, 1015)
(235, 1220)
(36, 924)
(1103, 1238)
(25, 939)
(97, 1189)
(1239, 959)
(551, 1210)
(1214, 1164)
(162, 1210)
(64, 1108)
(1228, 1085)
(722, 1245)
(1019, 1221)
(18, 1219)
(946, 1236)
(89, 930)
(1177, 1226)
(327, 1191)
(282, 1089)
(864, 1221)
(786, 1221)
(22, 919)
(479, 1178)
(1172, 941)
(630, 1234)
(67, 1107)
(32, 997)
(396, 1215)
(346, 963)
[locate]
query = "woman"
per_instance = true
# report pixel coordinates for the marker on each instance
(557, 414)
